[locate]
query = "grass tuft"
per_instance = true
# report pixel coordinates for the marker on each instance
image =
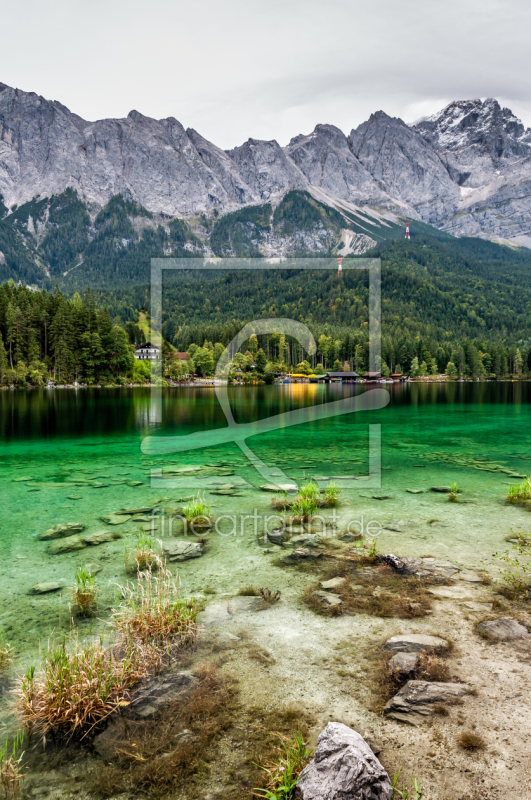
(469, 740)
(84, 592)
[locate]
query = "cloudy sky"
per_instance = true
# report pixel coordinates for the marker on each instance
(270, 70)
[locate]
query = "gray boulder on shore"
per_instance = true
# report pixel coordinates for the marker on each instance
(504, 629)
(416, 700)
(344, 768)
(414, 643)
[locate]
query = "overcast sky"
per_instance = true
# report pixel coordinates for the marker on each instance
(269, 70)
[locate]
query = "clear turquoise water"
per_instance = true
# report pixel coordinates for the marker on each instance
(87, 445)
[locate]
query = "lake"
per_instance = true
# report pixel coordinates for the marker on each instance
(75, 456)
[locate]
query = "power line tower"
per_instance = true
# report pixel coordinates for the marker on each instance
(339, 267)
(407, 231)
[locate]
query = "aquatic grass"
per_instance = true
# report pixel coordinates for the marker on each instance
(453, 492)
(519, 492)
(84, 592)
(309, 491)
(197, 513)
(284, 774)
(153, 617)
(332, 495)
(11, 773)
(304, 508)
(5, 651)
(76, 687)
(144, 554)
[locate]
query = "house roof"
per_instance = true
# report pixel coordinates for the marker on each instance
(341, 374)
(372, 375)
(182, 356)
(147, 346)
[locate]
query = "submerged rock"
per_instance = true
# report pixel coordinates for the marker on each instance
(414, 643)
(424, 567)
(333, 583)
(300, 554)
(328, 599)
(277, 536)
(504, 629)
(306, 540)
(100, 537)
(415, 491)
(115, 519)
(415, 701)
(60, 531)
(132, 511)
(46, 587)
(181, 550)
(67, 545)
(344, 768)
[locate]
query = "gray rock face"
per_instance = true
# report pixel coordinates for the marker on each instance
(466, 169)
(415, 701)
(414, 643)
(504, 629)
(328, 163)
(266, 169)
(344, 768)
(306, 540)
(405, 166)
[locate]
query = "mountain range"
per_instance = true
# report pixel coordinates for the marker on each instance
(465, 170)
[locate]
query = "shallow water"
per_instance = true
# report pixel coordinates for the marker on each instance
(79, 453)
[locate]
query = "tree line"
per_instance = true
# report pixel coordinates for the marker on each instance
(49, 336)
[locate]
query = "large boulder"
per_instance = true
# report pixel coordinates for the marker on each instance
(62, 530)
(100, 537)
(504, 629)
(344, 768)
(417, 699)
(414, 643)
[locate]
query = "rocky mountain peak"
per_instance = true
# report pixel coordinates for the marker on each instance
(483, 125)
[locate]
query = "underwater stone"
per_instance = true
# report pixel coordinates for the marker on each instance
(46, 587)
(306, 540)
(66, 545)
(182, 551)
(100, 537)
(132, 511)
(416, 700)
(328, 599)
(60, 531)
(115, 519)
(415, 491)
(277, 536)
(300, 554)
(414, 643)
(504, 629)
(344, 768)
(333, 583)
